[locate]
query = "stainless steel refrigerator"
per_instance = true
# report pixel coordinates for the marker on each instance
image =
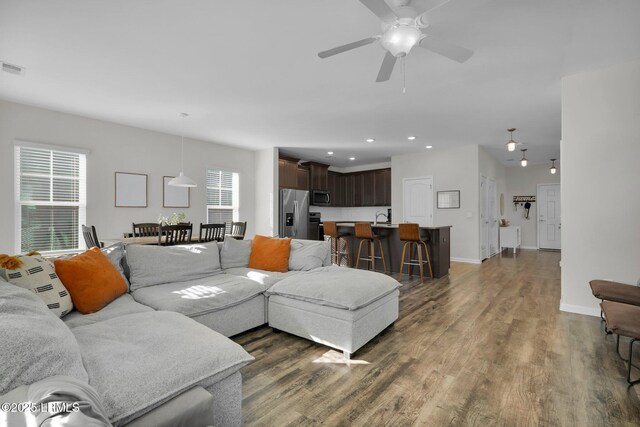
(294, 213)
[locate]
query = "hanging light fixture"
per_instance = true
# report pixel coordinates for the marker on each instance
(182, 180)
(511, 145)
(553, 168)
(523, 162)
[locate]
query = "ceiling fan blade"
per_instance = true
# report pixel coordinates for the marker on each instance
(386, 68)
(425, 6)
(346, 47)
(381, 9)
(450, 50)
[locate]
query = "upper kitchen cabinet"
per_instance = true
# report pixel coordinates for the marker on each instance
(319, 176)
(303, 178)
(382, 187)
(288, 173)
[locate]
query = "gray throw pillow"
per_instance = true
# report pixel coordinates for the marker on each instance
(235, 253)
(36, 344)
(306, 255)
(155, 265)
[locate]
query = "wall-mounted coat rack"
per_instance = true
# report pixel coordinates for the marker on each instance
(524, 201)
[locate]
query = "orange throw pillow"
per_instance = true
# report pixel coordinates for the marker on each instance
(91, 279)
(270, 254)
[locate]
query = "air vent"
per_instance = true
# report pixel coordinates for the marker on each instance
(13, 69)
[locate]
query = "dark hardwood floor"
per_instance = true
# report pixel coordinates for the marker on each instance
(485, 346)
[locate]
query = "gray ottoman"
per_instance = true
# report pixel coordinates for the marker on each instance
(336, 306)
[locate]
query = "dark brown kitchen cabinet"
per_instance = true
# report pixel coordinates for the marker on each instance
(288, 171)
(358, 188)
(382, 188)
(349, 190)
(319, 176)
(302, 178)
(368, 178)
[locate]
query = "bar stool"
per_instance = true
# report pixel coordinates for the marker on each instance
(331, 230)
(410, 235)
(365, 234)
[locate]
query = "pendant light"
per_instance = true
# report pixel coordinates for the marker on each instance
(511, 145)
(523, 162)
(553, 168)
(182, 180)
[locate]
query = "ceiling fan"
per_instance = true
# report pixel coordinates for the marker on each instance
(403, 28)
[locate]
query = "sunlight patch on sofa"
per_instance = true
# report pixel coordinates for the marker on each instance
(200, 292)
(257, 277)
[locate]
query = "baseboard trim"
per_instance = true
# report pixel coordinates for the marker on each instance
(580, 309)
(466, 260)
(530, 247)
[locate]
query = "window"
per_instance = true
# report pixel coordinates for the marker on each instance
(50, 198)
(222, 197)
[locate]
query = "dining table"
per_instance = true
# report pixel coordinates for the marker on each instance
(146, 240)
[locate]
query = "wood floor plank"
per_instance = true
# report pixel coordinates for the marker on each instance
(486, 345)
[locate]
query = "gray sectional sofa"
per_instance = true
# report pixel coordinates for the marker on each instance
(159, 355)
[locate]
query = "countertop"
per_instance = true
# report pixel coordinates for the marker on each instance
(386, 225)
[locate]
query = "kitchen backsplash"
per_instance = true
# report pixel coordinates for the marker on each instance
(350, 214)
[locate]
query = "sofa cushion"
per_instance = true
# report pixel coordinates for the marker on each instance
(334, 286)
(308, 254)
(153, 265)
(263, 277)
(38, 275)
(34, 342)
(124, 304)
(139, 361)
(270, 253)
(235, 253)
(200, 296)
(91, 279)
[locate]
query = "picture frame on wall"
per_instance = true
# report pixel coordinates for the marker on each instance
(449, 199)
(131, 190)
(175, 197)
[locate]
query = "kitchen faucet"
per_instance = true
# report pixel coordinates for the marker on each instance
(377, 215)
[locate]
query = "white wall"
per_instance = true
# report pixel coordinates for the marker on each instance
(524, 182)
(266, 190)
(600, 174)
(118, 148)
(452, 169)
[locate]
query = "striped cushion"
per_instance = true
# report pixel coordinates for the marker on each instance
(38, 275)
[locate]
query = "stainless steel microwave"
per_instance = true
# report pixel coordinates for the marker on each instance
(320, 198)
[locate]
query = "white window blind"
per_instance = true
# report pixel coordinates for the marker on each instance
(222, 197)
(50, 199)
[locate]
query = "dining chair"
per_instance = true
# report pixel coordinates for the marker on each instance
(212, 232)
(170, 235)
(145, 229)
(238, 230)
(91, 237)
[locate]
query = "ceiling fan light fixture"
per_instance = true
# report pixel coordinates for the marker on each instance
(524, 161)
(553, 168)
(400, 39)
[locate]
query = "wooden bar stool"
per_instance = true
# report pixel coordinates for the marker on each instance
(410, 235)
(365, 234)
(337, 254)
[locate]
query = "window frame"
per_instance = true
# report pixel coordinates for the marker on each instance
(82, 191)
(235, 194)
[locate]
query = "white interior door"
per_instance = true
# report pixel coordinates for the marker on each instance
(417, 200)
(484, 218)
(493, 216)
(549, 216)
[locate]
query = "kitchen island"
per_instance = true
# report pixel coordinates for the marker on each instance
(438, 243)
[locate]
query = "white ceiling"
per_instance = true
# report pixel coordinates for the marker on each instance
(248, 73)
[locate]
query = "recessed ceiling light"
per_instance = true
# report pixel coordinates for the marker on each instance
(411, 138)
(352, 158)
(330, 153)
(370, 140)
(429, 147)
